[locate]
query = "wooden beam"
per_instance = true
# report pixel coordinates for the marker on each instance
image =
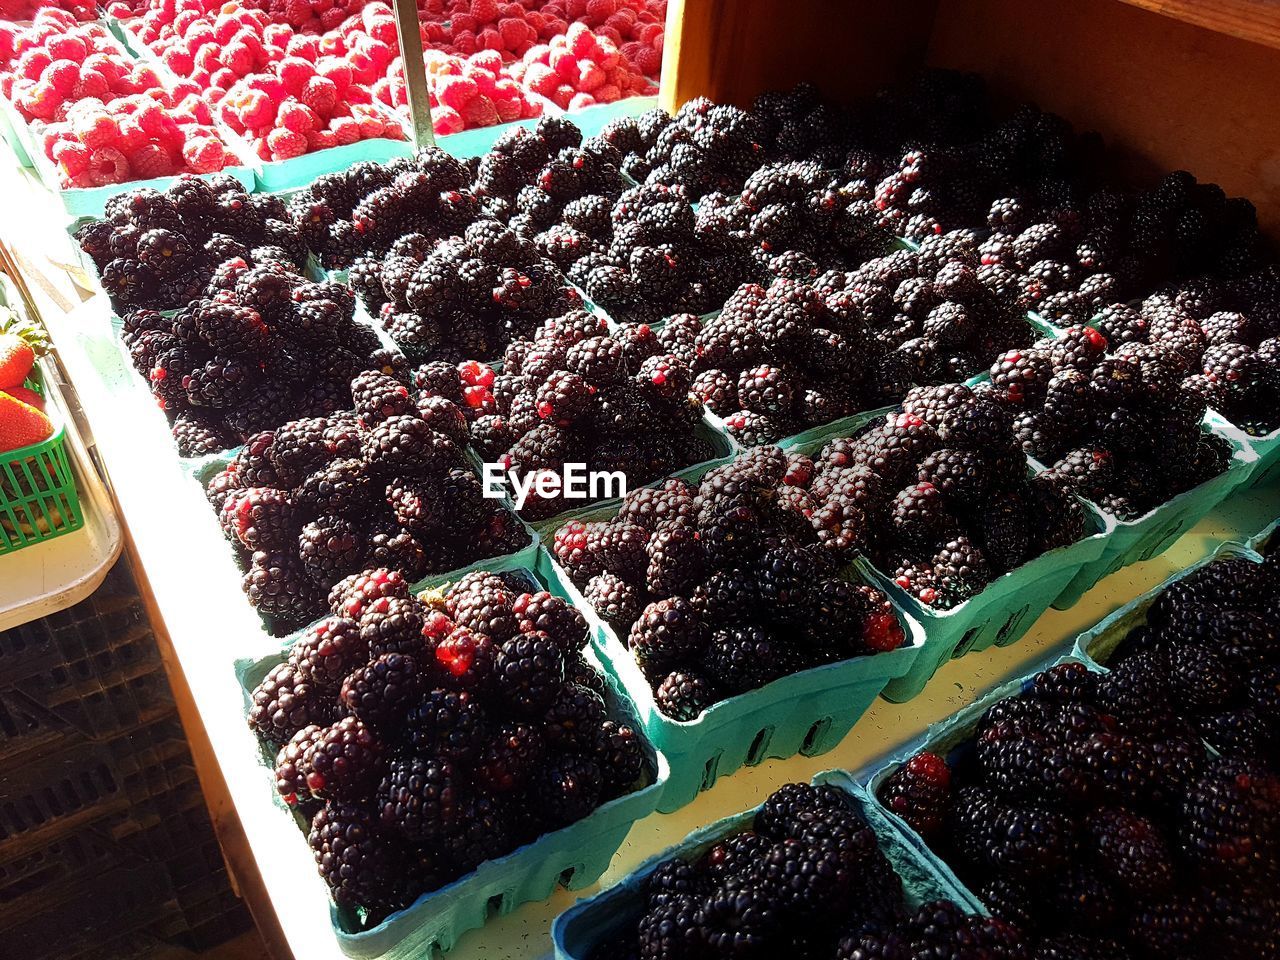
(415, 73)
(1254, 20)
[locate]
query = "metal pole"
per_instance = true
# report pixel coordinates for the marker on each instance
(415, 72)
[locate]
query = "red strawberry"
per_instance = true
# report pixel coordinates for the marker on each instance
(21, 424)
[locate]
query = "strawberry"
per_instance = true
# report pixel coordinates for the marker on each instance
(20, 343)
(21, 424)
(29, 397)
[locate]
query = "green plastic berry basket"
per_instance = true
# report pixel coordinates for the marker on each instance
(204, 470)
(38, 496)
(1096, 645)
(1000, 614)
(580, 930)
(948, 738)
(574, 856)
(1132, 541)
(805, 713)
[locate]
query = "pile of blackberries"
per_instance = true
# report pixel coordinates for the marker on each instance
(945, 495)
(795, 219)
(369, 206)
(1112, 245)
(1121, 429)
(727, 586)
(422, 737)
(1091, 817)
(1228, 334)
(644, 255)
(462, 298)
(386, 484)
(1208, 655)
(263, 346)
(574, 394)
(705, 147)
(530, 176)
(159, 250)
(807, 876)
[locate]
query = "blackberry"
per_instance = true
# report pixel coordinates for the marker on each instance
(765, 390)
(542, 612)
(739, 659)
(279, 590)
(510, 758)
(667, 634)
(350, 596)
(421, 799)
(378, 397)
(1132, 852)
(683, 695)
(381, 692)
(617, 602)
(755, 429)
(466, 660)
(405, 445)
(653, 507)
(566, 788)
(286, 702)
(343, 762)
(529, 670)
(199, 436)
(1170, 926)
(919, 792)
(392, 625)
(1116, 381)
(291, 773)
(329, 650)
(329, 548)
(1235, 367)
(620, 753)
(487, 609)
(1089, 471)
(361, 864)
(676, 559)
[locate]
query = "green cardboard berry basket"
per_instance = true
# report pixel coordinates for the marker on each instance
(997, 616)
(1267, 448)
(578, 931)
(1132, 541)
(204, 470)
(1260, 542)
(574, 856)
(805, 713)
(947, 738)
(38, 496)
(1096, 645)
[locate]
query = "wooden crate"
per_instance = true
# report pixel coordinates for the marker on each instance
(1191, 84)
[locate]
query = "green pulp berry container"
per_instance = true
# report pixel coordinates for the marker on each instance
(1267, 469)
(1096, 645)
(38, 496)
(946, 738)
(1000, 614)
(574, 856)
(805, 713)
(580, 930)
(1132, 541)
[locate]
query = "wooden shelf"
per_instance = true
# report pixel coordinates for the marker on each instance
(1254, 20)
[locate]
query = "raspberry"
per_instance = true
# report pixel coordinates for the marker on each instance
(204, 154)
(286, 144)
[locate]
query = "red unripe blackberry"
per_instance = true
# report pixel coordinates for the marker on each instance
(466, 660)
(919, 792)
